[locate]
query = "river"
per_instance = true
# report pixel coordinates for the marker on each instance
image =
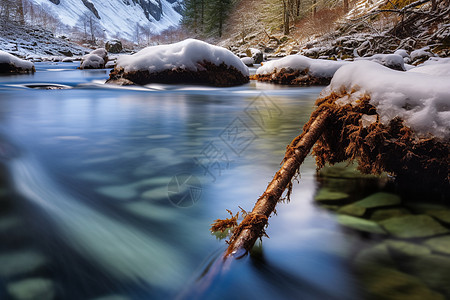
(109, 193)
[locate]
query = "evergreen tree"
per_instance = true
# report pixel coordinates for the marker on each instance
(206, 17)
(217, 12)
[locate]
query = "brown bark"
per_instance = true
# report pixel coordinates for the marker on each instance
(252, 227)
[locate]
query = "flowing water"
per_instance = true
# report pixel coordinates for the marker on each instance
(109, 193)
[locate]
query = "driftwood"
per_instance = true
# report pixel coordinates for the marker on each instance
(252, 227)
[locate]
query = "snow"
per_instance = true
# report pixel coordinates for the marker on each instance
(6, 58)
(248, 61)
(186, 54)
(402, 52)
(92, 61)
(317, 67)
(424, 52)
(422, 101)
(100, 52)
(116, 17)
(434, 66)
(393, 61)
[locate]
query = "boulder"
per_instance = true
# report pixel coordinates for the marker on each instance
(10, 64)
(92, 61)
(190, 61)
(113, 46)
(256, 54)
(96, 59)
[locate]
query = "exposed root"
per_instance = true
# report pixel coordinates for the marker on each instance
(223, 225)
(391, 148)
(292, 77)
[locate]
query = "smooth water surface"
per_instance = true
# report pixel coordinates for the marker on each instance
(110, 192)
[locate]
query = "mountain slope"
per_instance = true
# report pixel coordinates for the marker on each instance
(117, 18)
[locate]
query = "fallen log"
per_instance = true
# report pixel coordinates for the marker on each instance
(252, 227)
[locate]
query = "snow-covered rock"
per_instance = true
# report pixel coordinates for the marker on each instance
(92, 61)
(402, 52)
(420, 100)
(189, 61)
(248, 61)
(421, 55)
(113, 46)
(10, 64)
(298, 69)
(97, 59)
(392, 61)
(256, 54)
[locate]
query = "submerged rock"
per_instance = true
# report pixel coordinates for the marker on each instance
(379, 200)
(402, 248)
(20, 263)
(383, 214)
(413, 226)
(190, 62)
(326, 196)
(32, 289)
(10, 64)
(391, 284)
(440, 244)
(360, 224)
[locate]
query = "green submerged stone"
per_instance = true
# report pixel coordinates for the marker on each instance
(440, 244)
(413, 226)
(360, 224)
(326, 195)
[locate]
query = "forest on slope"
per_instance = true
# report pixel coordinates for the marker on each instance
(283, 27)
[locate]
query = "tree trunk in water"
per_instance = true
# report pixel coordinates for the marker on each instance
(252, 227)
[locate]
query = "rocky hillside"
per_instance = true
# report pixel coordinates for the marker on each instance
(33, 42)
(369, 27)
(116, 18)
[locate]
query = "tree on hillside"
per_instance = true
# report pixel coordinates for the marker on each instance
(206, 17)
(91, 27)
(217, 12)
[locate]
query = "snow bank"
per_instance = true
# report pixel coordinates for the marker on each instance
(422, 101)
(187, 55)
(316, 67)
(12, 64)
(434, 66)
(392, 61)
